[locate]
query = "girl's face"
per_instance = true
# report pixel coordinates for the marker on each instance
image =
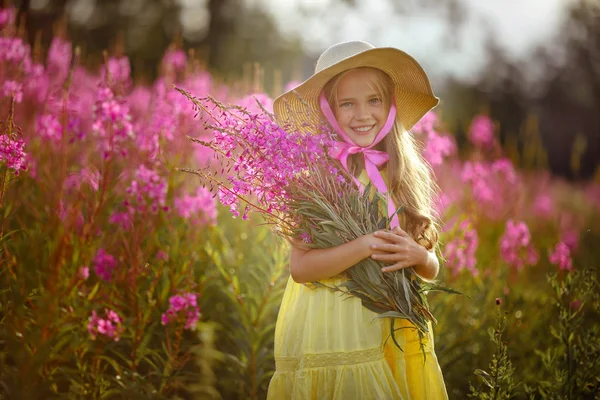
(360, 110)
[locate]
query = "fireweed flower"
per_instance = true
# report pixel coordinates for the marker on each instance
(11, 152)
(481, 132)
(122, 218)
(516, 248)
(147, 191)
(104, 264)
(492, 185)
(112, 122)
(7, 17)
(201, 205)
(83, 273)
(437, 147)
(174, 60)
(182, 307)
(48, 127)
(59, 59)
(12, 89)
(561, 256)
(460, 252)
(110, 326)
(14, 50)
(85, 175)
(119, 69)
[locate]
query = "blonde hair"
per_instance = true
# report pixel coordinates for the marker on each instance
(410, 175)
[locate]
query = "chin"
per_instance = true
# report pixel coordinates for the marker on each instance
(363, 141)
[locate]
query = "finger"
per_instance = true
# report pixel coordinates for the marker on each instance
(398, 231)
(389, 236)
(390, 248)
(394, 267)
(389, 257)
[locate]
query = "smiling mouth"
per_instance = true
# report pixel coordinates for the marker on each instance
(363, 130)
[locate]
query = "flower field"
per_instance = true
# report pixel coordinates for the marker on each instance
(121, 276)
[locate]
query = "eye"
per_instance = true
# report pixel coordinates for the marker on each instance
(346, 104)
(375, 100)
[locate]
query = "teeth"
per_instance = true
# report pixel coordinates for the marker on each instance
(366, 128)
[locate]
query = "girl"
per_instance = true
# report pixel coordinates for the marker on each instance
(328, 346)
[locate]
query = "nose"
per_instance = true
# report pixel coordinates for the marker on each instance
(362, 112)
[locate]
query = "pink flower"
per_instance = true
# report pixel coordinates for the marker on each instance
(201, 205)
(516, 248)
(104, 264)
(59, 59)
(110, 326)
(112, 123)
(14, 50)
(124, 219)
(291, 85)
(12, 89)
(182, 307)
(174, 60)
(250, 102)
(7, 17)
(147, 191)
(481, 132)
(85, 175)
(543, 205)
(437, 148)
(460, 252)
(120, 71)
(49, 127)
(84, 273)
(561, 256)
(11, 152)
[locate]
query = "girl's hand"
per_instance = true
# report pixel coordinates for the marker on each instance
(400, 250)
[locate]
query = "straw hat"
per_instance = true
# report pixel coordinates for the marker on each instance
(413, 93)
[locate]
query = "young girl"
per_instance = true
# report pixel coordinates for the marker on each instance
(329, 346)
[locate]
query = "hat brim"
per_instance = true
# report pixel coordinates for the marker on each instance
(412, 89)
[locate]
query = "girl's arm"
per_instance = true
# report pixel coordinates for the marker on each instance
(316, 264)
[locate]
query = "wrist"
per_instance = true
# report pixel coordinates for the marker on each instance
(364, 242)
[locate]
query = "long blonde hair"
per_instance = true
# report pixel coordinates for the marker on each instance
(410, 175)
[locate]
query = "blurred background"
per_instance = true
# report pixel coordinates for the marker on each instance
(533, 66)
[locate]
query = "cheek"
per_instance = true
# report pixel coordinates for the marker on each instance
(344, 117)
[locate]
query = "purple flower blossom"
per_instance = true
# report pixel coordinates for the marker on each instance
(124, 219)
(11, 152)
(481, 132)
(110, 326)
(119, 69)
(174, 60)
(83, 273)
(460, 252)
(291, 85)
(59, 59)
(147, 191)
(85, 175)
(7, 17)
(104, 264)
(561, 256)
(12, 89)
(14, 50)
(437, 148)
(516, 248)
(112, 122)
(49, 128)
(201, 205)
(182, 307)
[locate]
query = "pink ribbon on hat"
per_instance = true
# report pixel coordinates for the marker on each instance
(373, 158)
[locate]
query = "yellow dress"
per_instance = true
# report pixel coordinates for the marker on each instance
(328, 346)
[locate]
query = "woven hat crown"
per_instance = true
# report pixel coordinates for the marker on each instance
(339, 52)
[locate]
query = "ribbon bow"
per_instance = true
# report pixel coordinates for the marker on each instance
(373, 158)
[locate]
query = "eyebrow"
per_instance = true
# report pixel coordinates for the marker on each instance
(351, 98)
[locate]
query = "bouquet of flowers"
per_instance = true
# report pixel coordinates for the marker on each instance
(284, 173)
